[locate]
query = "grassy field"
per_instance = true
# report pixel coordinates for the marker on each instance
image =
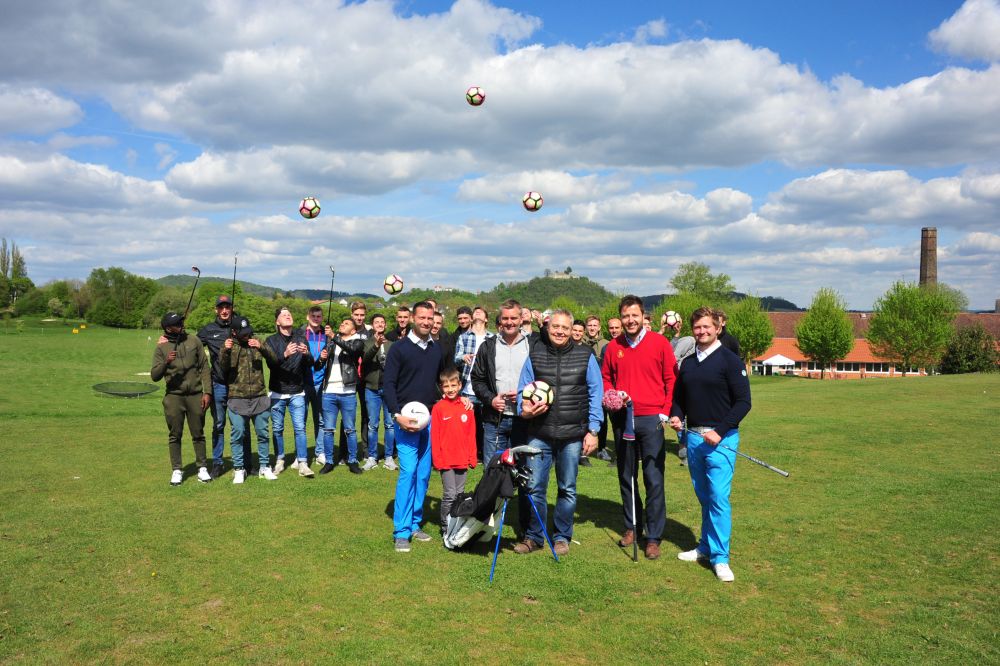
(881, 547)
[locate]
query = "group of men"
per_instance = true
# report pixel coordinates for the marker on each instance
(316, 368)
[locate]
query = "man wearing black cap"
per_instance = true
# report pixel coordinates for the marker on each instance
(181, 361)
(213, 336)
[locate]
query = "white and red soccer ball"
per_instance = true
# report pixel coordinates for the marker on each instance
(538, 391)
(671, 318)
(309, 208)
(475, 96)
(532, 201)
(393, 284)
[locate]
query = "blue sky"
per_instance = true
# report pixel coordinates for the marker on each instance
(791, 145)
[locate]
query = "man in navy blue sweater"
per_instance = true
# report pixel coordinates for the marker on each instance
(411, 369)
(713, 393)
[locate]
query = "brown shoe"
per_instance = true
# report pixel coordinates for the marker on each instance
(562, 548)
(652, 550)
(527, 546)
(627, 538)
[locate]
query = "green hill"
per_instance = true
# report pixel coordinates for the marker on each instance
(184, 282)
(540, 292)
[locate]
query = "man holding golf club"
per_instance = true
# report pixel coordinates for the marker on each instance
(713, 393)
(640, 366)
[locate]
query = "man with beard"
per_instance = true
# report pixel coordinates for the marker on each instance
(287, 382)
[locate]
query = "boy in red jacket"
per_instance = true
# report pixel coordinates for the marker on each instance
(453, 440)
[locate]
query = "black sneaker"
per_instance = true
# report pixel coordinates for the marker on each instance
(585, 462)
(327, 468)
(253, 471)
(354, 467)
(217, 470)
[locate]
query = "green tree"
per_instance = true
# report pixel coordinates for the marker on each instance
(566, 303)
(697, 278)
(971, 349)
(55, 307)
(120, 298)
(825, 334)
(167, 299)
(751, 326)
(684, 303)
(911, 325)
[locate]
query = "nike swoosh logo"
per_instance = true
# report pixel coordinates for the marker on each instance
(445, 418)
(216, 335)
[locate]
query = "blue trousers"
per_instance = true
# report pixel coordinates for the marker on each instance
(346, 405)
(297, 406)
(414, 451)
(314, 400)
(220, 396)
(240, 425)
(377, 407)
(566, 456)
(712, 469)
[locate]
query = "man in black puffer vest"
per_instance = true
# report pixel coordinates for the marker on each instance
(561, 429)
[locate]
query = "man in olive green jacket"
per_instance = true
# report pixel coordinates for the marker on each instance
(182, 363)
(242, 362)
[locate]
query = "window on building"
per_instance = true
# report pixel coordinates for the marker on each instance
(882, 368)
(848, 367)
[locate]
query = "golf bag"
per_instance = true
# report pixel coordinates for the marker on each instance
(474, 516)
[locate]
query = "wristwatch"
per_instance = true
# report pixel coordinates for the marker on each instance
(595, 433)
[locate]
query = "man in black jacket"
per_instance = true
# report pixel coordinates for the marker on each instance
(342, 356)
(561, 430)
(289, 363)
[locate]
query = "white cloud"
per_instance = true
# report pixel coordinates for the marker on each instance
(35, 111)
(655, 29)
(661, 210)
(851, 197)
(972, 32)
(978, 243)
(555, 186)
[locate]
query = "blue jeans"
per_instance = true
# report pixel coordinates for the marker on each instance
(346, 405)
(239, 428)
(510, 432)
(220, 397)
(414, 450)
(712, 469)
(566, 456)
(314, 399)
(297, 406)
(376, 405)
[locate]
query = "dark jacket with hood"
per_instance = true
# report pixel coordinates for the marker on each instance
(288, 375)
(214, 336)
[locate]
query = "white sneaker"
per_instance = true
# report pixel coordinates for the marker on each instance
(694, 555)
(177, 477)
(370, 463)
(279, 466)
(266, 473)
(724, 573)
(389, 464)
(203, 475)
(320, 459)
(304, 470)
(239, 475)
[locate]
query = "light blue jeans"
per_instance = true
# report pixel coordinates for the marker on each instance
(346, 404)
(566, 456)
(239, 427)
(712, 469)
(376, 405)
(297, 406)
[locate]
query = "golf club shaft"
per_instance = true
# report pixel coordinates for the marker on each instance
(197, 271)
(232, 296)
(329, 306)
(754, 460)
(635, 518)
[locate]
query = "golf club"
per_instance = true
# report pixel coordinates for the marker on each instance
(187, 310)
(635, 519)
(233, 294)
(329, 306)
(664, 418)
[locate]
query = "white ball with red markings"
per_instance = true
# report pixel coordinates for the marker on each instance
(532, 201)
(671, 318)
(475, 96)
(393, 284)
(417, 413)
(309, 207)
(538, 391)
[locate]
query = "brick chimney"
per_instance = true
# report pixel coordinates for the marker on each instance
(928, 256)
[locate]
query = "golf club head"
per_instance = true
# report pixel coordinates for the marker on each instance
(196, 270)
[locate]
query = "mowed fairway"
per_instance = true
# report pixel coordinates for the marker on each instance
(881, 547)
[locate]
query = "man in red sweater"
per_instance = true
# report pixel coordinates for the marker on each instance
(640, 363)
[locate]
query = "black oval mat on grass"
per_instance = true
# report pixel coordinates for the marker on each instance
(126, 389)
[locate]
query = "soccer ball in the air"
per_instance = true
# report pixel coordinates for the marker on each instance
(538, 391)
(671, 318)
(475, 96)
(309, 208)
(532, 201)
(393, 284)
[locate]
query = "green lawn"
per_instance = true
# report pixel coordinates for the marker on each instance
(881, 547)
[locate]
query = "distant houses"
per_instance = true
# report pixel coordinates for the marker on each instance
(784, 358)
